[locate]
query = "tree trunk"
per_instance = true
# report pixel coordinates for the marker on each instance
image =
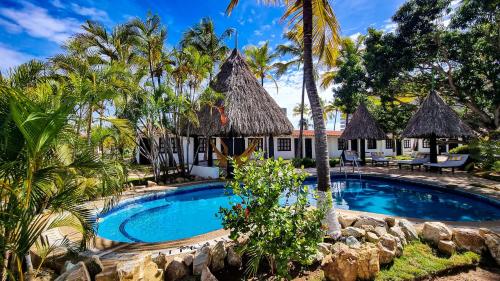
(89, 123)
(301, 131)
(321, 148)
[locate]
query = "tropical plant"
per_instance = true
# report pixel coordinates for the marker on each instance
(43, 180)
(259, 60)
(271, 209)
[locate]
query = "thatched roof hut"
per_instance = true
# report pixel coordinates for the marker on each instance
(248, 110)
(362, 126)
(436, 119)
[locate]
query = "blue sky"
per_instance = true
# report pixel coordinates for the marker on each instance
(36, 28)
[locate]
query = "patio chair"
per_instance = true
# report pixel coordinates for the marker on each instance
(419, 160)
(350, 157)
(453, 161)
(378, 157)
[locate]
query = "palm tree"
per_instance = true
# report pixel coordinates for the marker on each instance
(314, 19)
(150, 36)
(204, 38)
(302, 110)
(259, 60)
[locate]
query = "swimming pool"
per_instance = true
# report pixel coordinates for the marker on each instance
(191, 211)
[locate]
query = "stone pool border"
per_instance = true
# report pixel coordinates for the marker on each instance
(180, 246)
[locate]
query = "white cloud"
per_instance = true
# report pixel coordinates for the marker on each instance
(37, 22)
(57, 4)
(389, 26)
(11, 58)
(355, 36)
(258, 33)
(290, 92)
(92, 13)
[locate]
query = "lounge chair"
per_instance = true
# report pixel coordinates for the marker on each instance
(378, 157)
(419, 160)
(453, 161)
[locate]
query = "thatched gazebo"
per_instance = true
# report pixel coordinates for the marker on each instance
(435, 119)
(362, 126)
(246, 110)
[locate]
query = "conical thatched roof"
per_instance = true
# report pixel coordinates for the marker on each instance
(362, 126)
(248, 108)
(436, 117)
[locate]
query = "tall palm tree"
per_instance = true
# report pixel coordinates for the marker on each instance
(259, 60)
(304, 112)
(203, 37)
(314, 19)
(150, 36)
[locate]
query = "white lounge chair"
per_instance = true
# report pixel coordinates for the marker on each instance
(419, 160)
(453, 161)
(378, 157)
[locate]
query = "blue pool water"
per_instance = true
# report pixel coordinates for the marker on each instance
(191, 211)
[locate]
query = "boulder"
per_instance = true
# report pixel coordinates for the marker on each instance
(399, 246)
(139, 268)
(324, 248)
(368, 228)
(469, 240)
(397, 232)
(206, 275)
(353, 231)
(188, 260)
(387, 248)
(151, 271)
(218, 255)
(160, 260)
(447, 247)
(492, 241)
(76, 273)
(151, 183)
(371, 237)
(341, 265)
(435, 232)
(176, 270)
(94, 266)
(408, 229)
(368, 262)
(346, 220)
(233, 258)
(380, 230)
(201, 259)
(391, 221)
(363, 220)
(352, 242)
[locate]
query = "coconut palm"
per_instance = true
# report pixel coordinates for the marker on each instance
(305, 114)
(259, 60)
(204, 38)
(315, 21)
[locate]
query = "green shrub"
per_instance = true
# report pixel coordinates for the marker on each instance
(303, 162)
(496, 167)
(276, 234)
(483, 152)
(334, 162)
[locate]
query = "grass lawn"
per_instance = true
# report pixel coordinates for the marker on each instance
(420, 260)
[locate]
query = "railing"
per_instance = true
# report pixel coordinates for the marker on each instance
(355, 165)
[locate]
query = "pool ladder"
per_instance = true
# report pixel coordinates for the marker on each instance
(355, 165)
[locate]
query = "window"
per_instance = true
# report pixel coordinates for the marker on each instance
(426, 143)
(343, 144)
(260, 143)
(174, 145)
(162, 146)
(407, 143)
(284, 144)
(389, 143)
(203, 145)
(372, 144)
